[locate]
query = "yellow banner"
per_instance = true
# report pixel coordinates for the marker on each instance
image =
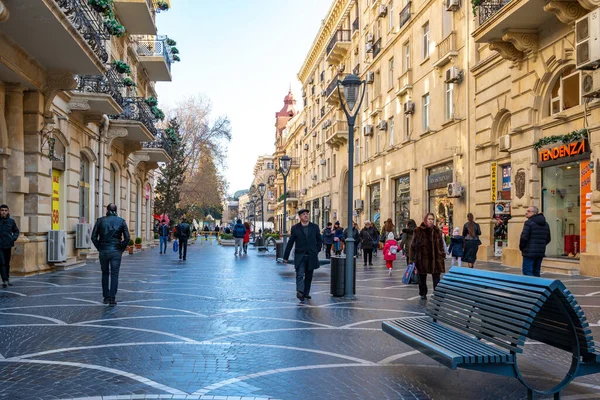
(56, 199)
(494, 183)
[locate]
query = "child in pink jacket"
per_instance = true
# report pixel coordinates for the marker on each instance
(389, 252)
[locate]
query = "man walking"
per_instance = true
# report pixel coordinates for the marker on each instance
(239, 231)
(534, 238)
(9, 232)
(307, 238)
(111, 237)
(328, 234)
(163, 234)
(183, 234)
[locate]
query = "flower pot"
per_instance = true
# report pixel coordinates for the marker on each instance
(130, 249)
(138, 246)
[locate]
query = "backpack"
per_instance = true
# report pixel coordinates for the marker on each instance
(240, 231)
(393, 249)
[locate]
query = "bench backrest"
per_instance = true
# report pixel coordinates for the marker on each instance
(505, 309)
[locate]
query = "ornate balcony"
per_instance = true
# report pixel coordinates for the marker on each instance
(338, 46)
(137, 119)
(405, 15)
(331, 93)
(446, 50)
(156, 151)
(137, 16)
(98, 94)
(295, 162)
(155, 55)
(338, 133)
(405, 82)
(61, 35)
(292, 197)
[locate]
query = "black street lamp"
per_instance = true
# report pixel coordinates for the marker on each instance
(285, 163)
(350, 102)
(254, 201)
(262, 188)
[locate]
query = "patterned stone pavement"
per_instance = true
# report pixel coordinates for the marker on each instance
(224, 327)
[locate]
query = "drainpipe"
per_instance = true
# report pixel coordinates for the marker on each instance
(468, 108)
(101, 157)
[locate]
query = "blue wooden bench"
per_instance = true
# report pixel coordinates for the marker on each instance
(481, 319)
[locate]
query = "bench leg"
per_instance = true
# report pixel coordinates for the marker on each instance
(557, 396)
(530, 394)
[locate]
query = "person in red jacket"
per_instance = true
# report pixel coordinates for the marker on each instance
(246, 237)
(389, 251)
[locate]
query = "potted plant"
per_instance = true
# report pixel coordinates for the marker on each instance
(162, 5)
(138, 243)
(130, 247)
(101, 6)
(174, 50)
(158, 113)
(151, 101)
(227, 239)
(129, 83)
(171, 42)
(114, 27)
(176, 58)
(121, 67)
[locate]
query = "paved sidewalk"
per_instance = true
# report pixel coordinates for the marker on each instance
(224, 327)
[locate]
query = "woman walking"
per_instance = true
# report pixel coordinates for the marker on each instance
(338, 235)
(389, 252)
(471, 232)
(246, 237)
(407, 236)
(427, 252)
(388, 226)
(367, 235)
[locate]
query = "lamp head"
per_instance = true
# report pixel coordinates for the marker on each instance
(254, 197)
(262, 189)
(285, 163)
(351, 85)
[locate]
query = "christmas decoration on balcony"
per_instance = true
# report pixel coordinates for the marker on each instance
(151, 101)
(574, 136)
(121, 67)
(162, 6)
(129, 83)
(101, 6)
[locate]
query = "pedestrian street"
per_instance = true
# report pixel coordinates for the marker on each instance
(219, 326)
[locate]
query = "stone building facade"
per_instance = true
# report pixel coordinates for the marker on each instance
(76, 132)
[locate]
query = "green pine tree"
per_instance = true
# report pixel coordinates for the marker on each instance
(172, 174)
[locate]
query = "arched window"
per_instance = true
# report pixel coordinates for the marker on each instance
(84, 189)
(564, 92)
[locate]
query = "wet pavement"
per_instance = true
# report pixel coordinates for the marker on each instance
(219, 326)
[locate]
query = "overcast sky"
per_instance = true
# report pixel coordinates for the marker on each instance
(243, 55)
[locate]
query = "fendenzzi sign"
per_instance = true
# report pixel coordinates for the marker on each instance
(563, 153)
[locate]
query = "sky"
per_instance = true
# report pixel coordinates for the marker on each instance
(243, 55)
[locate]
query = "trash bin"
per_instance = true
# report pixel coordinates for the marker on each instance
(338, 276)
(260, 241)
(278, 250)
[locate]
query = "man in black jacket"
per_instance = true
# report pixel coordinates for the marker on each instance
(183, 233)
(307, 238)
(534, 238)
(111, 237)
(9, 232)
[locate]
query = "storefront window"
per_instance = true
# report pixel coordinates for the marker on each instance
(315, 212)
(401, 202)
(375, 203)
(561, 207)
(439, 203)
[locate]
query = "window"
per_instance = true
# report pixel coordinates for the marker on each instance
(449, 101)
(426, 112)
(402, 202)
(328, 168)
(366, 102)
(375, 202)
(84, 190)
(406, 56)
(391, 129)
(356, 152)
(426, 40)
(391, 73)
(447, 17)
(334, 164)
(565, 92)
(391, 16)
(406, 126)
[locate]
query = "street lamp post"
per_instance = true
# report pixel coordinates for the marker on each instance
(262, 188)
(285, 164)
(254, 201)
(350, 102)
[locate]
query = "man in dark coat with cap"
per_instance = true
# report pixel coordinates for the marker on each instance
(307, 237)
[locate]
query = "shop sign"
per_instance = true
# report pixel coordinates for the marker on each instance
(494, 183)
(563, 153)
(586, 200)
(439, 180)
(502, 207)
(55, 199)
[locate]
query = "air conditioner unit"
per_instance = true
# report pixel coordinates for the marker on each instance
(382, 125)
(305, 146)
(453, 74)
(327, 203)
(409, 107)
(316, 212)
(369, 37)
(590, 84)
(454, 189)
(370, 77)
(358, 204)
(452, 5)
(369, 47)
(83, 236)
(368, 130)
(382, 11)
(57, 246)
(323, 162)
(587, 40)
(504, 143)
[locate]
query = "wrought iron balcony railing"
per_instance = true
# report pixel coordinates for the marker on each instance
(332, 86)
(154, 46)
(110, 83)
(489, 8)
(136, 109)
(160, 143)
(377, 48)
(342, 35)
(405, 14)
(88, 23)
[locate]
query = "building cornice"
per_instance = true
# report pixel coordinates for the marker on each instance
(330, 24)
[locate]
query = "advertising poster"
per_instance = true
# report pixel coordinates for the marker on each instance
(494, 181)
(55, 199)
(586, 200)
